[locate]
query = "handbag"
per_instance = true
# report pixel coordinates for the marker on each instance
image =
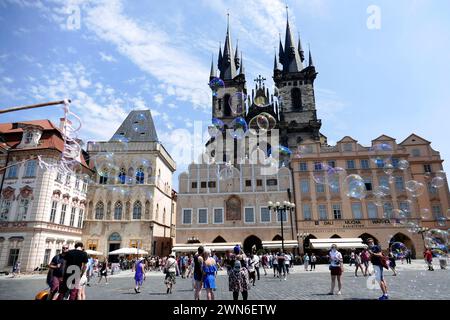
(385, 262)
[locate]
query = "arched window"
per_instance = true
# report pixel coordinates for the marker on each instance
(130, 176)
(164, 216)
(122, 175)
(296, 98)
(226, 105)
(99, 211)
(118, 211)
(157, 212)
(140, 176)
(103, 176)
(149, 173)
(5, 209)
(137, 210)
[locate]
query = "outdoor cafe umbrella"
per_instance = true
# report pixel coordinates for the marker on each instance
(93, 252)
(126, 251)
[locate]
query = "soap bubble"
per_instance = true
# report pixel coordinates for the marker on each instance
(355, 186)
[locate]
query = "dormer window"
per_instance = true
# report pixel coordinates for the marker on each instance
(28, 137)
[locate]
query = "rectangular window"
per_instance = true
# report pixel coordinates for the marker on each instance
(350, 164)
(304, 186)
(265, 214)
(58, 177)
(80, 218)
(249, 214)
(194, 185)
(437, 212)
(380, 163)
(368, 183)
(317, 166)
(203, 184)
(323, 215)
(356, 210)
(399, 184)
(372, 210)
(320, 188)
(259, 182)
(53, 211)
(415, 152)
(47, 256)
(271, 182)
(427, 168)
(5, 207)
(13, 256)
(77, 184)
(334, 187)
(303, 166)
(12, 172)
(211, 184)
(365, 164)
(404, 206)
(332, 163)
(337, 214)
(431, 189)
(248, 183)
(187, 216)
(72, 217)
(348, 147)
(395, 162)
(282, 215)
(218, 215)
(85, 185)
(202, 216)
(387, 210)
(383, 181)
(63, 214)
(30, 169)
(67, 179)
(307, 212)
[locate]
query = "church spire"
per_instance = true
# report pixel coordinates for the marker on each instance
(228, 68)
(275, 62)
(311, 64)
(280, 51)
(236, 55)
(242, 70)
(212, 73)
(219, 60)
(292, 61)
(300, 49)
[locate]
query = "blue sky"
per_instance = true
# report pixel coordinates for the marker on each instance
(128, 55)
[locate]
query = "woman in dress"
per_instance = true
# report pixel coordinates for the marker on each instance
(336, 267)
(170, 269)
(209, 269)
(238, 281)
(139, 275)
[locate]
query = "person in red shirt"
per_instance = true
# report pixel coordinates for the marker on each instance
(429, 259)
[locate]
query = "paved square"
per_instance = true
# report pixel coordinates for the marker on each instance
(412, 282)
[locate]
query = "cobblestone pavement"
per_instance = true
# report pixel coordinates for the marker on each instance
(412, 282)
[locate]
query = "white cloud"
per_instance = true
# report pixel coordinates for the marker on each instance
(8, 80)
(151, 50)
(106, 57)
(172, 106)
(159, 99)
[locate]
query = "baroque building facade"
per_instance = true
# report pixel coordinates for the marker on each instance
(40, 209)
(131, 202)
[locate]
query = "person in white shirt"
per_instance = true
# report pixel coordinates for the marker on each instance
(256, 263)
(287, 262)
(251, 269)
(336, 268)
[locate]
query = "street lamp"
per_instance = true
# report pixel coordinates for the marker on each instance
(280, 209)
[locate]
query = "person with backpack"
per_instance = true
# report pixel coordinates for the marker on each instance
(376, 257)
(170, 269)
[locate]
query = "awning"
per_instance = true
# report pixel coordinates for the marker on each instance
(278, 244)
(341, 243)
(192, 247)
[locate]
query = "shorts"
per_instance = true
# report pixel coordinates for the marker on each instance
(378, 272)
(336, 271)
(82, 283)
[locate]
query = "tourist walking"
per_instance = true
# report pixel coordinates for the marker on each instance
(56, 272)
(75, 260)
(358, 264)
(313, 261)
(281, 267)
(365, 258)
(375, 257)
(275, 266)
(251, 270)
(429, 259)
(170, 269)
(306, 261)
(256, 263)
(16, 269)
(336, 268)
(209, 274)
(139, 275)
(198, 273)
(392, 263)
(408, 256)
(104, 271)
(238, 281)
